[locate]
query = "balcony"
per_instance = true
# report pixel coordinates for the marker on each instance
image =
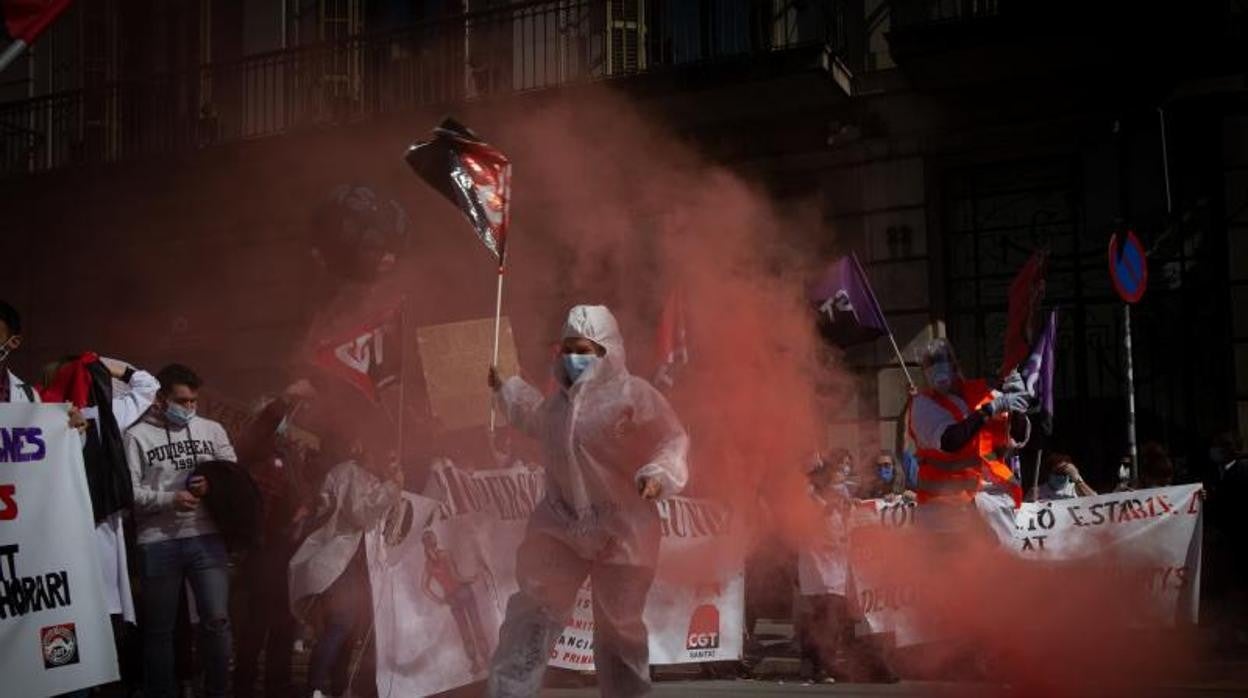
(517, 48)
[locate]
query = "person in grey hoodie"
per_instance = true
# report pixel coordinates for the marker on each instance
(178, 542)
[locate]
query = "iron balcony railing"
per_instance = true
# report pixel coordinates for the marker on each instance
(514, 48)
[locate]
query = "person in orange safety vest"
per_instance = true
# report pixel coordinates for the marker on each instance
(964, 430)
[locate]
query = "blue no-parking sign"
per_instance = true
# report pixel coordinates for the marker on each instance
(1128, 266)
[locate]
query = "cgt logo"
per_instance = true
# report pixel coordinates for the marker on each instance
(703, 628)
(60, 645)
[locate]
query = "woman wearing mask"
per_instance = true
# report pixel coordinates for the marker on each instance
(886, 481)
(1061, 480)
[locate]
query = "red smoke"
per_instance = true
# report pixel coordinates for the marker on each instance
(608, 207)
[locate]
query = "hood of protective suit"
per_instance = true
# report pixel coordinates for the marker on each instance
(597, 324)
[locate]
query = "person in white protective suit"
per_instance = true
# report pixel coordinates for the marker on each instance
(612, 445)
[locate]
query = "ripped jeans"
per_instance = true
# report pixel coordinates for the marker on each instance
(167, 565)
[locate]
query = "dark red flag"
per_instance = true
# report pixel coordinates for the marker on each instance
(1022, 325)
(671, 344)
(25, 20)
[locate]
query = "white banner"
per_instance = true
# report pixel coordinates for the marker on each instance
(440, 591)
(1150, 539)
(55, 634)
(695, 611)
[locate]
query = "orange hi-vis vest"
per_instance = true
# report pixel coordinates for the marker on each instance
(954, 478)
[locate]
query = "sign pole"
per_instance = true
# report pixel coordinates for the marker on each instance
(1128, 269)
(1131, 444)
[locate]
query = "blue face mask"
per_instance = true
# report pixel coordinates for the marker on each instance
(576, 364)
(886, 473)
(178, 415)
(940, 375)
(1058, 482)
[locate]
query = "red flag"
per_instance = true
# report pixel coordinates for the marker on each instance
(25, 20)
(71, 383)
(1023, 322)
(671, 344)
(370, 357)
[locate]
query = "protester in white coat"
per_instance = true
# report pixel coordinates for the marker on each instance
(329, 572)
(612, 444)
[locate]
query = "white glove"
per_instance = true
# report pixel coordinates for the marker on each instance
(1009, 402)
(1014, 383)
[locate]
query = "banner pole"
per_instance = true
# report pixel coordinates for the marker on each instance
(1035, 476)
(498, 320)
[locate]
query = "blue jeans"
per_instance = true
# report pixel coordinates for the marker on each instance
(167, 565)
(347, 610)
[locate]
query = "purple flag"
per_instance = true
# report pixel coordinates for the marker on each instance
(1037, 372)
(848, 311)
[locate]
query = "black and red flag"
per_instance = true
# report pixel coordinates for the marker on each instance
(473, 175)
(370, 357)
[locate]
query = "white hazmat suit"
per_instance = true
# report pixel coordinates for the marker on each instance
(601, 434)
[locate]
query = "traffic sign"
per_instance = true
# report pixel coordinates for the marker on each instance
(1128, 266)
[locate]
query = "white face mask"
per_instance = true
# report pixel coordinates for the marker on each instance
(941, 375)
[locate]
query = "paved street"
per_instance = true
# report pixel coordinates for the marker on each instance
(908, 689)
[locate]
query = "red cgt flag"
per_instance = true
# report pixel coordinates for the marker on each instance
(25, 20)
(369, 357)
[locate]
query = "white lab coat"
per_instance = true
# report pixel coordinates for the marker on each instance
(130, 401)
(17, 393)
(352, 501)
(600, 435)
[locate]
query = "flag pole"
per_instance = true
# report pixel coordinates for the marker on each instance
(901, 361)
(498, 322)
(11, 52)
(402, 377)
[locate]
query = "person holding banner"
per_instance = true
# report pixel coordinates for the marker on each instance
(830, 649)
(12, 388)
(178, 542)
(1061, 480)
(612, 444)
(329, 573)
